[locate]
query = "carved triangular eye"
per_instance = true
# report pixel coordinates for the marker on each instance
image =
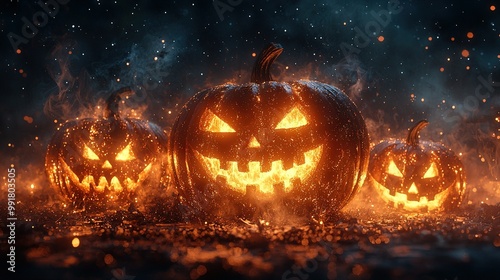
(392, 169)
(126, 154)
(292, 119)
(212, 123)
(89, 154)
(431, 172)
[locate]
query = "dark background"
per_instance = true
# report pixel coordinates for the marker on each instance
(76, 58)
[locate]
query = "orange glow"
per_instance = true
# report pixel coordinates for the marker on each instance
(413, 189)
(381, 38)
(254, 54)
(99, 184)
(18, 51)
(292, 119)
(441, 69)
(108, 259)
(431, 172)
(126, 154)
(264, 180)
(392, 169)
(107, 165)
(212, 123)
(470, 35)
(452, 39)
(75, 242)
(465, 53)
(430, 38)
(492, 8)
(253, 143)
(401, 200)
(28, 119)
(89, 154)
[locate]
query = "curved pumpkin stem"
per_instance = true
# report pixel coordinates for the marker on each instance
(260, 72)
(412, 138)
(113, 102)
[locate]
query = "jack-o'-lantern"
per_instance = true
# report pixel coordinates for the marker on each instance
(96, 161)
(302, 142)
(417, 175)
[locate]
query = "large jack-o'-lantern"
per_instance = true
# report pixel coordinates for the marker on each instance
(94, 162)
(417, 175)
(301, 142)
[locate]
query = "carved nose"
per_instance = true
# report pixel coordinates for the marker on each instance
(253, 143)
(107, 165)
(413, 189)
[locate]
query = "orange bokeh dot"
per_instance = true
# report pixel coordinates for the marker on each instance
(28, 119)
(381, 38)
(441, 69)
(108, 259)
(21, 71)
(492, 7)
(254, 54)
(430, 38)
(452, 39)
(465, 53)
(470, 35)
(467, 67)
(18, 51)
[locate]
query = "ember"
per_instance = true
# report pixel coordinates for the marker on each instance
(358, 245)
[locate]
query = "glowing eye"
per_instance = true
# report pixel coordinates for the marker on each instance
(89, 154)
(210, 122)
(394, 170)
(125, 154)
(292, 119)
(431, 172)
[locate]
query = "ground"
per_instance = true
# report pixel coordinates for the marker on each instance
(464, 244)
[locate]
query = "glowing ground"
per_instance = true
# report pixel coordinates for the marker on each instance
(462, 245)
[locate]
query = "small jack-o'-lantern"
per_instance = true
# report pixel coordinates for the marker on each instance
(417, 176)
(96, 161)
(302, 142)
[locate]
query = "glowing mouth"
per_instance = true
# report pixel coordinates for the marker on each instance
(264, 181)
(401, 200)
(89, 182)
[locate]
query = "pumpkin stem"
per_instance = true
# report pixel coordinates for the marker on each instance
(414, 132)
(113, 102)
(260, 72)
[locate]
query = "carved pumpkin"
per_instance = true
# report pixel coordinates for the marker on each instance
(96, 161)
(301, 142)
(417, 176)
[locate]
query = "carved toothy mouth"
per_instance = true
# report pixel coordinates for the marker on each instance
(401, 199)
(277, 178)
(101, 183)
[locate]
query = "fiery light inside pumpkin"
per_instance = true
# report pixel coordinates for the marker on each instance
(266, 181)
(92, 161)
(100, 183)
(401, 199)
(412, 200)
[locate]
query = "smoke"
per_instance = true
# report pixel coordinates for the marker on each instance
(80, 92)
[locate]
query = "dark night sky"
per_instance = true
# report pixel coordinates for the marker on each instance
(395, 76)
